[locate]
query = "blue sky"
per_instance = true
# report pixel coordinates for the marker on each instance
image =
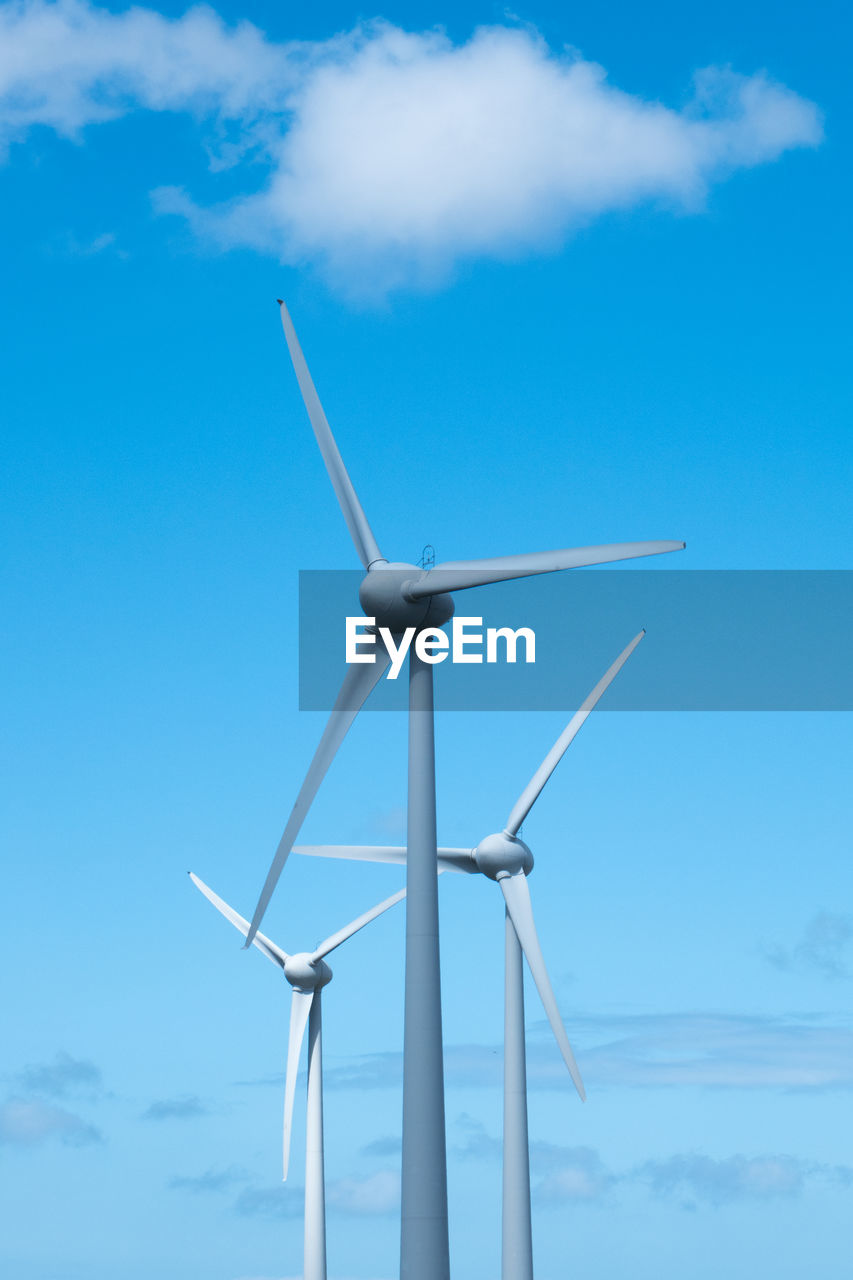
(521, 343)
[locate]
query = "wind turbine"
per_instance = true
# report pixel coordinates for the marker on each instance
(400, 595)
(505, 858)
(307, 973)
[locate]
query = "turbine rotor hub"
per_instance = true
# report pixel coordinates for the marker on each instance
(383, 596)
(502, 855)
(306, 974)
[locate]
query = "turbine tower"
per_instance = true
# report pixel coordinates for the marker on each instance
(400, 595)
(505, 858)
(307, 973)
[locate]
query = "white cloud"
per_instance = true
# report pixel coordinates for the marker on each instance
(393, 155)
(718, 1182)
(383, 1147)
(27, 1122)
(575, 1182)
(69, 64)
(379, 1193)
(89, 247)
(411, 153)
(280, 1201)
(821, 949)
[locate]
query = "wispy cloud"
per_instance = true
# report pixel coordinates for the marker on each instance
(63, 1077)
(476, 1143)
(383, 1147)
(578, 1174)
(718, 1051)
(26, 1119)
(716, 1182)
(580, 1177)
(260, 1082)
(73, 246)
(371, 1071)
(478, 1065)
(374, 1196)
(821, 949)
(707, 1050)
(281, 1201)
(388, 823)
(564, 1173)
(187, 1108)
(391, 156)
(212, 1180)
(26, 1122)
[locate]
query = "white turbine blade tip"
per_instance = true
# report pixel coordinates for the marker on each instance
(535, 786)
(351, 508)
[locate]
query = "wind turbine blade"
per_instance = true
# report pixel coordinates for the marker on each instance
(270, 950)
(448, 859)
(359, 681)
(300, 1007)
(530, 794)
(354, 852)
(360, 531)
(353, 927)
(517, 897)
(457, 575)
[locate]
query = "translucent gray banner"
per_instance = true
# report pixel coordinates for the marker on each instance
(743, 640)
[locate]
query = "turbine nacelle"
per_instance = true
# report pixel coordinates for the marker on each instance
(305, 973)
(384, 595)
(502, 855)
